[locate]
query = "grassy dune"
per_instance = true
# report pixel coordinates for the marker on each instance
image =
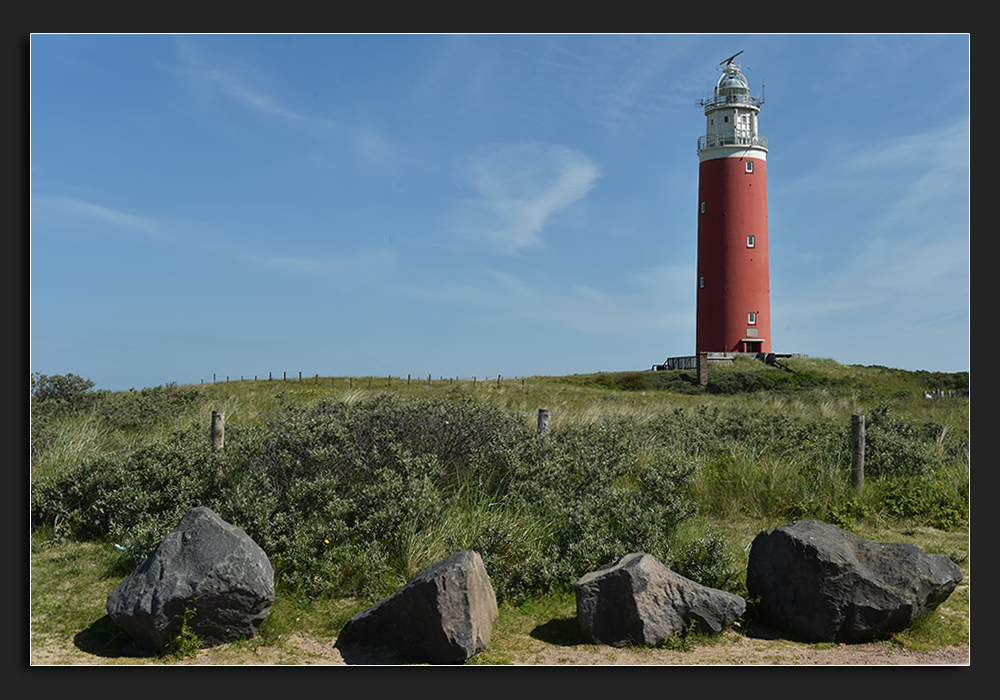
(352, 485)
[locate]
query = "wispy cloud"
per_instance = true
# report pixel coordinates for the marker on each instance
(901, 262)
(362, 263)
(250, 89)
(651, 300)
(520, 187)
(74, 215)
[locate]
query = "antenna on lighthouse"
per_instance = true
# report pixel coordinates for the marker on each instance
(730, 59)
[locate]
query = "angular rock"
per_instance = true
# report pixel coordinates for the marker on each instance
(444, 615)
(637, 599)
(828, 585)
(205, 563)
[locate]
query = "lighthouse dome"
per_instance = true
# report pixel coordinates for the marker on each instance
(734, 82)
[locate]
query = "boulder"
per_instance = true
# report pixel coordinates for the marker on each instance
(205, 564)
(828, 585)
(639, 600)
(444, 615)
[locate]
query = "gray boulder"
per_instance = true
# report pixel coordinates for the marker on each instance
(206, 564)
(828, 585)
(444, 615)
(637, 599)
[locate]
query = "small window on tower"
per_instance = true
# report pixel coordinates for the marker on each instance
(701, 281)
(752, 317)
(749, 166)
(750, 241)
(702, 207)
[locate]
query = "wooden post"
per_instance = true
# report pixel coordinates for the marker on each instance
(858, 451)
(498, 381)
(543, 421)
(428, 380)
(218, 429)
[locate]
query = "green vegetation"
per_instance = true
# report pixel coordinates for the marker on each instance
(351, 490)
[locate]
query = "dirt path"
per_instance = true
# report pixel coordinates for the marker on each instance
(732, 649)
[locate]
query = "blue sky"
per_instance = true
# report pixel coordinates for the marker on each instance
(478, 205)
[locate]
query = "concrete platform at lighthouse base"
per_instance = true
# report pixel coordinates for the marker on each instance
(691, 361)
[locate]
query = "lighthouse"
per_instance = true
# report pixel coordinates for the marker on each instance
(733, 281)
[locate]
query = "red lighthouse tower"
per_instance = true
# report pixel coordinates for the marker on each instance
(734, 291)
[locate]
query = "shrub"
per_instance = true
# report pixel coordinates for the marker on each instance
(898, 448)
(61, 393)
(707, 560)
(632, 381)
(146, 408)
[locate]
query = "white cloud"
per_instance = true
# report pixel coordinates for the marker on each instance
(72, 214)
(248, 87)
(648, 302)
(520, 187)
(363, 263)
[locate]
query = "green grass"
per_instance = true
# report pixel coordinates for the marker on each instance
(763, 446)
(70, 582)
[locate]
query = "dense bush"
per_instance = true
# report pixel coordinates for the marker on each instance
(346, 497)
(146, 408)
(353, 497)
(61, 393)
(898, 448)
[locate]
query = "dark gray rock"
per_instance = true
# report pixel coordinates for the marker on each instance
(444, 615)
(205, 563)
(828, 585)
(637, 599)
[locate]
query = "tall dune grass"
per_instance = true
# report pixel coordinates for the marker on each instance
(353, 489)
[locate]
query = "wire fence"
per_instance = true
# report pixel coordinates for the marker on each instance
(370, 381)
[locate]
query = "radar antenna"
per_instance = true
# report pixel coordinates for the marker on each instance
(730, 59)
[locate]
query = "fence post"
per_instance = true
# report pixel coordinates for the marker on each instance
(543, 421)
(858, 451)
(428, 380)
(218, 429)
